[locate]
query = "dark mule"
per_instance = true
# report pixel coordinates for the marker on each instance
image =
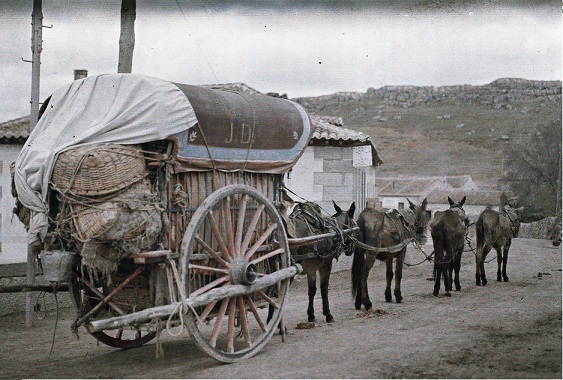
(382, 230)
(495, 230)
(448, 229)
(318, 257)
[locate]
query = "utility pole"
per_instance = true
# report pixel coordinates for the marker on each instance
(127, 37)
(36, 47)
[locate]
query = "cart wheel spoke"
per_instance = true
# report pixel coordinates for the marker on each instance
(255, 313)
(229, 226)
(243, 321)
(235, 237)
(86, 297)
(261, 240)
(216, 232)
(240, 223)
(218, 320)
(231, 327)
(212, 252)
(251, 229)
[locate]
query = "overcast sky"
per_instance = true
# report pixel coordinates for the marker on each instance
(285, 46)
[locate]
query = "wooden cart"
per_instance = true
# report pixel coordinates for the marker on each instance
(221, 265)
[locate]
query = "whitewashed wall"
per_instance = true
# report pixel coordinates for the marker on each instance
(12, 232)
(325, 174)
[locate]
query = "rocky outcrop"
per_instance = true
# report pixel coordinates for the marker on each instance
(508, 93)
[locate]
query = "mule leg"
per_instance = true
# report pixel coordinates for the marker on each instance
(457, 267)
(389, 278)
(365, 295)
(399, 274)
(499, 262)
(312, 290)
(486, 250)
(447, 271)
(324, 272)
(437, 279)
(478, 268)
(505, 261)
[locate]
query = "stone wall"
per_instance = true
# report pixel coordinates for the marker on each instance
(502, 93)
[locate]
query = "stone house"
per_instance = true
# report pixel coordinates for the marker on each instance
(13, 244)
(338, 165)
(393, 192)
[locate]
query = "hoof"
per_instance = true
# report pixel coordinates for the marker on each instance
(329, 319)
(311, 319)
(458, 288)
(435, 294)
(368, 306)
(448, 294)
(358, 306)
(506, 279)
(478, 283)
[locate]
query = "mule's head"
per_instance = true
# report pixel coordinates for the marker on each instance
(457, 207)
(345, 219)
(420, 221)
(514, 215)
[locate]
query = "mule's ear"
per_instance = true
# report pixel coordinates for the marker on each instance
(450, 201)
(338, 209)
(462, 201)
(411, 204)
(424, 204)
(351, 210)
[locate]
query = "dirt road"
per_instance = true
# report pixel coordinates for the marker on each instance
(503, 330)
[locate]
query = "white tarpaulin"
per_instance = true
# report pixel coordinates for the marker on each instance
(116, 108)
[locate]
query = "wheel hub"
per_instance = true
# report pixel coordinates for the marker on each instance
(242, 272)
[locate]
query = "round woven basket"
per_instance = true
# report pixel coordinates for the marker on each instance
(98, 169)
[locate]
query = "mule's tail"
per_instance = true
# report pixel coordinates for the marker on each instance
(357, 269)
(480, 233)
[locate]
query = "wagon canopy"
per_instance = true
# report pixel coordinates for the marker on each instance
(214, 129)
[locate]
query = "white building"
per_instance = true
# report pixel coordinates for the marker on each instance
(13, 243)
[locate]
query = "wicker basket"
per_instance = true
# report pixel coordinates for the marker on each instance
(93, 222)
(135, 296)
(98, 169)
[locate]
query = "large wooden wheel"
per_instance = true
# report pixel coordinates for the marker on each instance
(86, 295)
(233, 238)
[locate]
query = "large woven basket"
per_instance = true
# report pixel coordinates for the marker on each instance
(98, 169)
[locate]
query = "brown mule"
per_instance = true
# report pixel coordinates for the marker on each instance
(380, 230)
(496, 230)
(448, 229)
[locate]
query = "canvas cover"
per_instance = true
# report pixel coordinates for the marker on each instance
(134, 109)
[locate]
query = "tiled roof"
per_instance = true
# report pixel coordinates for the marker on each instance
(405, 186)
(482, 198)
(422, 186)
(329, 130)
(14, 131)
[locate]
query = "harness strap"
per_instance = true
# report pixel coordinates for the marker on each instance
(392, 249)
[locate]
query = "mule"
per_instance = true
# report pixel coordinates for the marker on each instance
(318, 257)
(381, 230)
(448, 229)
(496, 230)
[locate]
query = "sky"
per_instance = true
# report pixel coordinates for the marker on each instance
(297, 47)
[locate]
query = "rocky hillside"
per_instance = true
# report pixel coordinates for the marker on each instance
(449, 130)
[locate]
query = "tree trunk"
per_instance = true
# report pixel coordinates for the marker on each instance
(127, 37)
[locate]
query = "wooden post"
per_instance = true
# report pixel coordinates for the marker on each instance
(36, 47)
(127, 37)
